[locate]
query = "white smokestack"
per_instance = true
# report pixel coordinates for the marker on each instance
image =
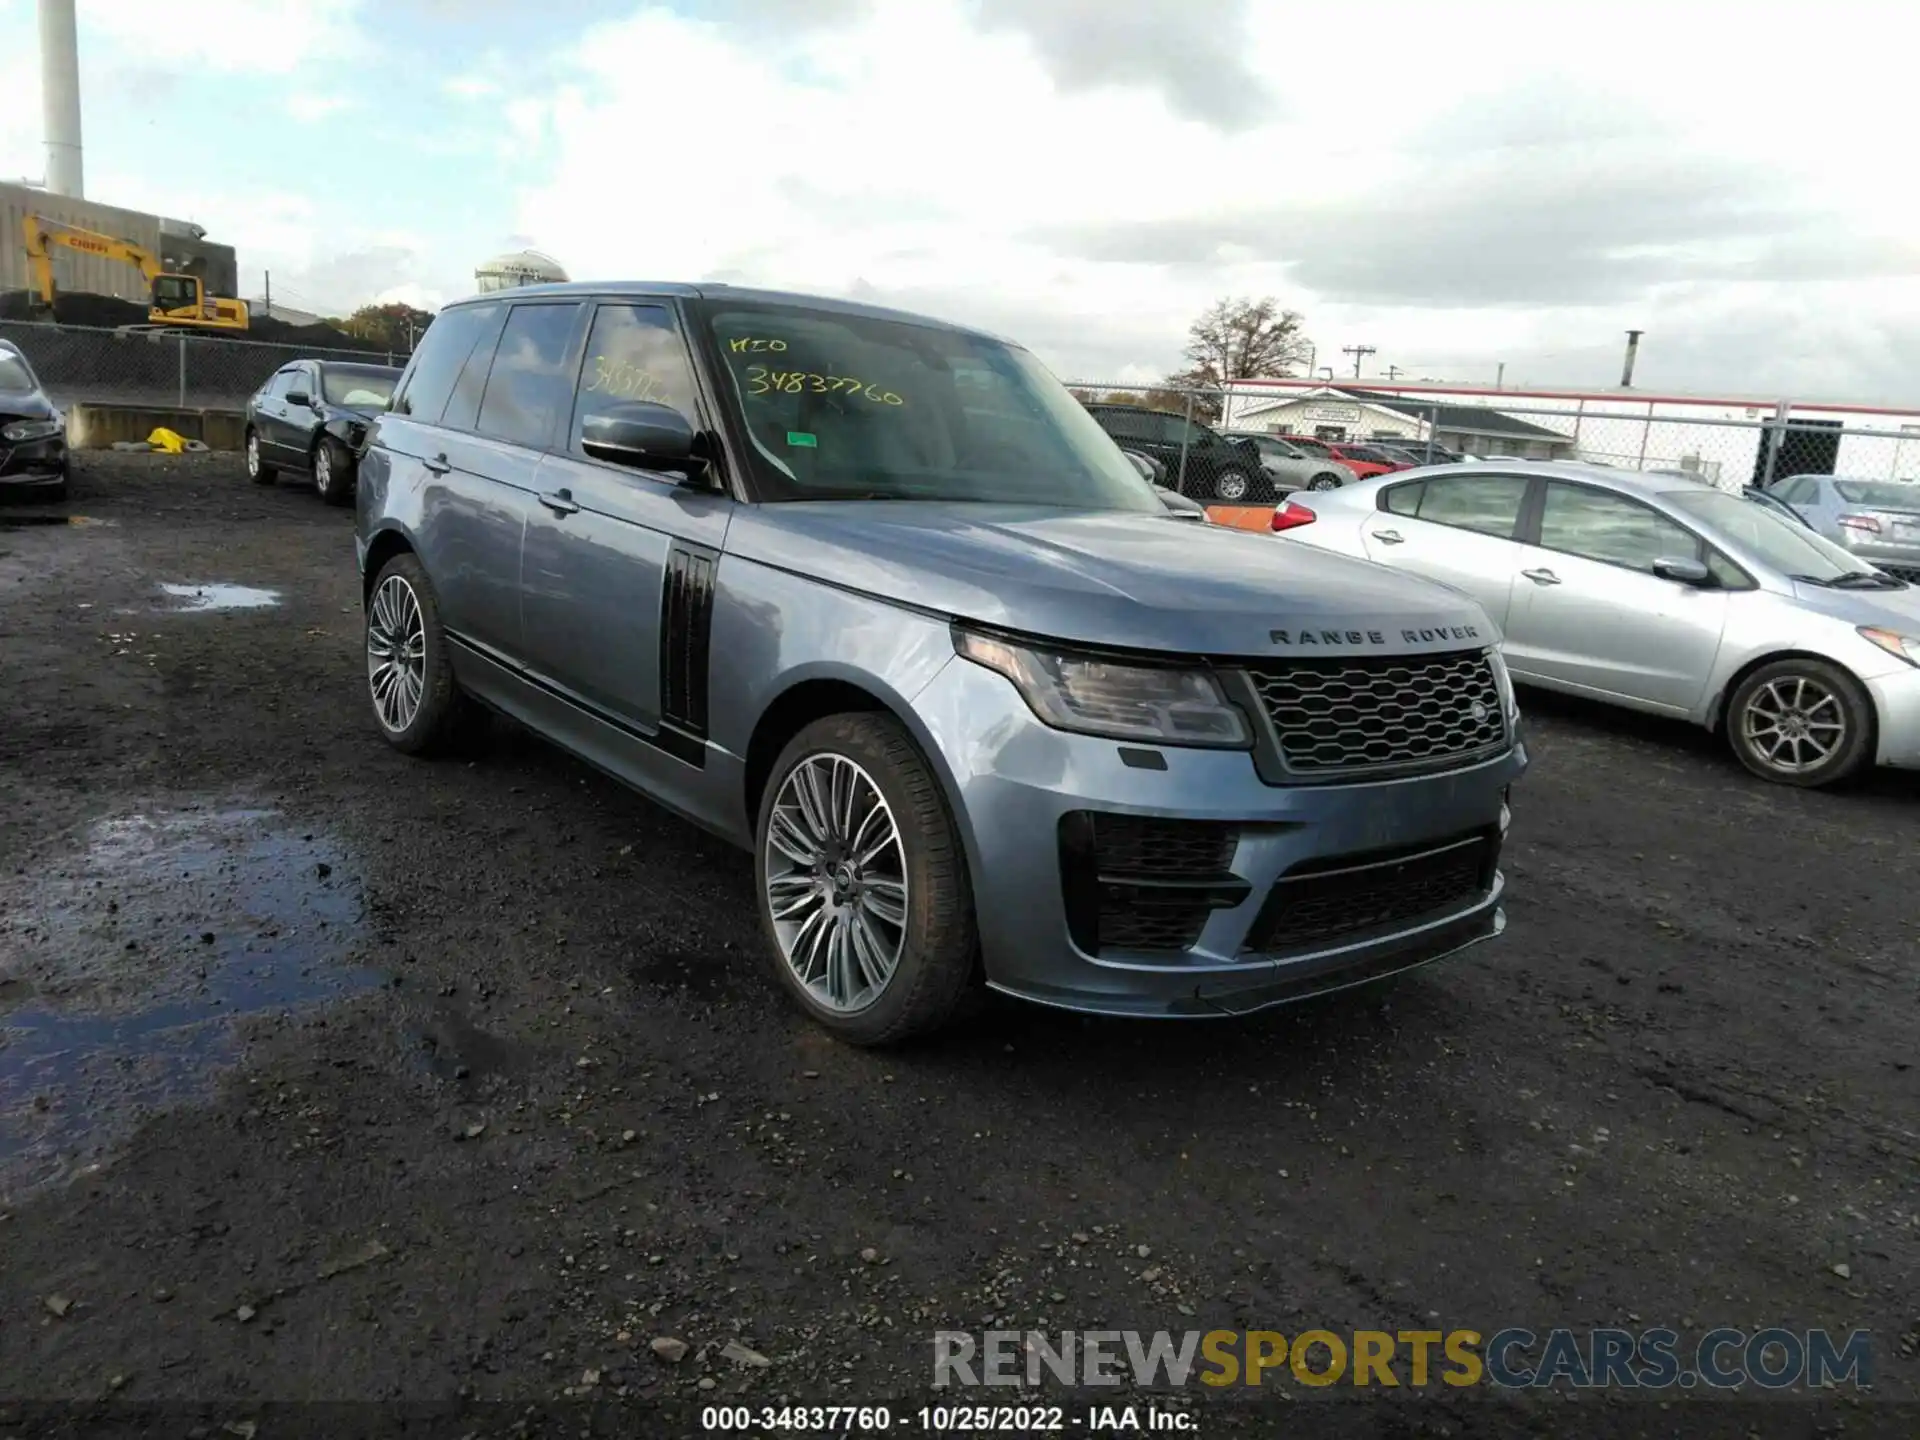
(60, 97)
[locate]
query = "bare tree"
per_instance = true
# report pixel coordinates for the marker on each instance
(1239, 339)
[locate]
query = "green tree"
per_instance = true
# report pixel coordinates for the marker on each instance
(394, 326)
(1239, 339)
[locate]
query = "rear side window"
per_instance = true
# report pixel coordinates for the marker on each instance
(1125, 424)
(530, 385)
(1489, 504)
(635, 353)
(436, 364)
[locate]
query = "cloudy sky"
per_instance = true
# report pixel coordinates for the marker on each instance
(1455, 184)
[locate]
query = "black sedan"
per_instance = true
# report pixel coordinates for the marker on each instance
(312, 418)
(33, 432)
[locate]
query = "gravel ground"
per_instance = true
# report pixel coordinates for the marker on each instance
(330, 1075)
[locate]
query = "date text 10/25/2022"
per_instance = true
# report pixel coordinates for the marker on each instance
(949, 1419)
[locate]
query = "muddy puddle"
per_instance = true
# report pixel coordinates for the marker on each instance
(124, 968)
(220, 597)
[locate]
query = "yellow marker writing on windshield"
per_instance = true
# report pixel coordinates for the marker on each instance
(749, 343)
(762, 381)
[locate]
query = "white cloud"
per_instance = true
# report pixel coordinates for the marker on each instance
(310, 109)
(276, 37)
(1491, 192)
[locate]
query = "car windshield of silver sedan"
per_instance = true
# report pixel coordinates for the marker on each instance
(357, 389)
(1789, 548)
(15, 378)
(849, 407)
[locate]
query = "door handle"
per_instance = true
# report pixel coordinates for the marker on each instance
(1541, 577)
(559, 501)
(1389, 537)
(439, 464)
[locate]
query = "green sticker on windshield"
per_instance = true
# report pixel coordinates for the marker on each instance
(803, 439)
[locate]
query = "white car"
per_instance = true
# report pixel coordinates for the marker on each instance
(1660, 594)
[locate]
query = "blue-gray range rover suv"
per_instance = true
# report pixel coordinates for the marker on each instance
(874, 597)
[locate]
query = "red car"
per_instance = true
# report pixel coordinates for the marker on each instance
(1363, 460)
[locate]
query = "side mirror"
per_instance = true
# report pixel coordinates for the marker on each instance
(300, 398)
(644, 435)
(1684, 572)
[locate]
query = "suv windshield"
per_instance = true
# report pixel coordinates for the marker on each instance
(1881, 494)
(361, 389)
(15, 378)
(1759, 528)
(847, 406)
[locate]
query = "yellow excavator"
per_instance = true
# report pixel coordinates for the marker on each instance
(172, 299)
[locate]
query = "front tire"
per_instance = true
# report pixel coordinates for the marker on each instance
(1801, 722)
(332, 471)
(1327, 481)
(416, 702)
(258, 470)
(864, 898)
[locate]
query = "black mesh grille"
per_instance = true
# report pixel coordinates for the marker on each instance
(1149, 848)
(1333, 716)
(1140, 883)
(1137, 919)
(1319, 904)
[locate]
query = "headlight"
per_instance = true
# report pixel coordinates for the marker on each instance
(1120, 701)
(32, 430)
(1907, 647)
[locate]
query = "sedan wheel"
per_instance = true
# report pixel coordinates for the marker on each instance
(1801, 722)
(258, 470)
(836, 882)
(1324, 482)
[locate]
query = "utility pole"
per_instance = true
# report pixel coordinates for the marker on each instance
(1359, 353)
(1500, 377)
(1393, 373)
(268, 300)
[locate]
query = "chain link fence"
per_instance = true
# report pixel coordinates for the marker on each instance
(185, 368)
(1196, 437)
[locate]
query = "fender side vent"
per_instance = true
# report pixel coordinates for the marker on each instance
(686, 628)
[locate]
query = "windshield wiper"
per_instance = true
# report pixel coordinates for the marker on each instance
(1866, 580)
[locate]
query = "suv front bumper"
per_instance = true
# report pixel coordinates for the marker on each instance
(1242, 900)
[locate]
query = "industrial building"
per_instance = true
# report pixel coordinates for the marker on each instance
(181, 245)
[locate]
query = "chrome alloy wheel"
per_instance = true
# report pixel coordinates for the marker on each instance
(1794, 724)
(253, 455)
(322, 470)
(396, 653)
(836, 882)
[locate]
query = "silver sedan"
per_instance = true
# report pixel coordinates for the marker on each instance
(1662, 595)
(1290, 467)
(1878, 520)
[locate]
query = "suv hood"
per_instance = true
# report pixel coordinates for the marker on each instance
(1115, 578)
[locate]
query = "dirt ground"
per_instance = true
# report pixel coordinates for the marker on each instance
(326, 1074)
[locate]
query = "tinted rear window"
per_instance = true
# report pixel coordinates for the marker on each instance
(443, 350)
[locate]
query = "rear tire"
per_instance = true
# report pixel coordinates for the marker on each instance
(1232, 486)
(1325, 481)
(258, 470)
(851, 903)
(1801, 722)
(417, 704)
(332, 471)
